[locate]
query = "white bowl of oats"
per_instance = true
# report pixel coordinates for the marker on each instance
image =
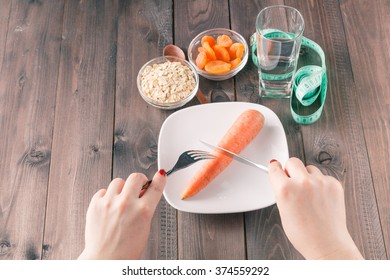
(167, 82)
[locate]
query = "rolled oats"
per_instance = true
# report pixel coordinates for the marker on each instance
(167, 82)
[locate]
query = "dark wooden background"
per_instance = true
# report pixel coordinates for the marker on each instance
(71, 119)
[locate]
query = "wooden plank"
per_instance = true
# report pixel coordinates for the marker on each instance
(83, 129)
(211, 237)
(367, 31)
(30, 38)
(207, 236)
(336, 142)
(145, 27)
(264, 232)
(5, 12)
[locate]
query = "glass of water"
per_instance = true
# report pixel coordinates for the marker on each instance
(279, 32)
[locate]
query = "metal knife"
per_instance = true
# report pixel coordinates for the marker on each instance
(237, 157)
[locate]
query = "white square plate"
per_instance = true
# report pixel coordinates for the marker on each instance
(239, 188)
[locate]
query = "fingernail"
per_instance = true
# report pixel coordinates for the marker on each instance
(272, 160)
(162, 172)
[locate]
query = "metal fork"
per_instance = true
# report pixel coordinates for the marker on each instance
(185, 159)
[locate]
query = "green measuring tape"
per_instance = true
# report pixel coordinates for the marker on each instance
(309, 85)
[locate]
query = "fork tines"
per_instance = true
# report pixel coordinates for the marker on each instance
(198, 154)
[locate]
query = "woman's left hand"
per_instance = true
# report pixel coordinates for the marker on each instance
(119, 218)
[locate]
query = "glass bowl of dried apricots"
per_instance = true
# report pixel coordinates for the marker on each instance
(218, 54)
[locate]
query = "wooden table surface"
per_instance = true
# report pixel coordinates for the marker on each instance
(71, 119)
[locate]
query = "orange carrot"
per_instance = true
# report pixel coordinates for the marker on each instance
(239, 135)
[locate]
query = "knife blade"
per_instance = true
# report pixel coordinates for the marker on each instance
(237, 157)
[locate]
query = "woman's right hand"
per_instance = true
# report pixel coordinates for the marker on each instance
(312, 211)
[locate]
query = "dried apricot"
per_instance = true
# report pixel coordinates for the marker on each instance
(235, 62)
(236, 50)
(209, 39)
(201, 49)
(217, 67)
(221, 53)
(209, 51)
(240, 50)
(201, 59)
(224, 41)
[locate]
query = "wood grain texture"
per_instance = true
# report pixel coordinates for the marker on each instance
(5, 12)
(71, 119)
(192, 18)
(205, 236)
(264, 232)
(29, 51)
(367, 31)
(83, 129)
(211, 237)
(145, 27)
(266, 239)
(336, 142)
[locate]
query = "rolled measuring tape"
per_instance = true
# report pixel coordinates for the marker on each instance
(309, 85)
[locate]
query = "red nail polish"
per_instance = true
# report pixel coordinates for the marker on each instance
(272, 160)
(162, 172)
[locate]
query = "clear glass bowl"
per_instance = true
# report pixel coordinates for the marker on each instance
(168, 105)
(196, 42)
